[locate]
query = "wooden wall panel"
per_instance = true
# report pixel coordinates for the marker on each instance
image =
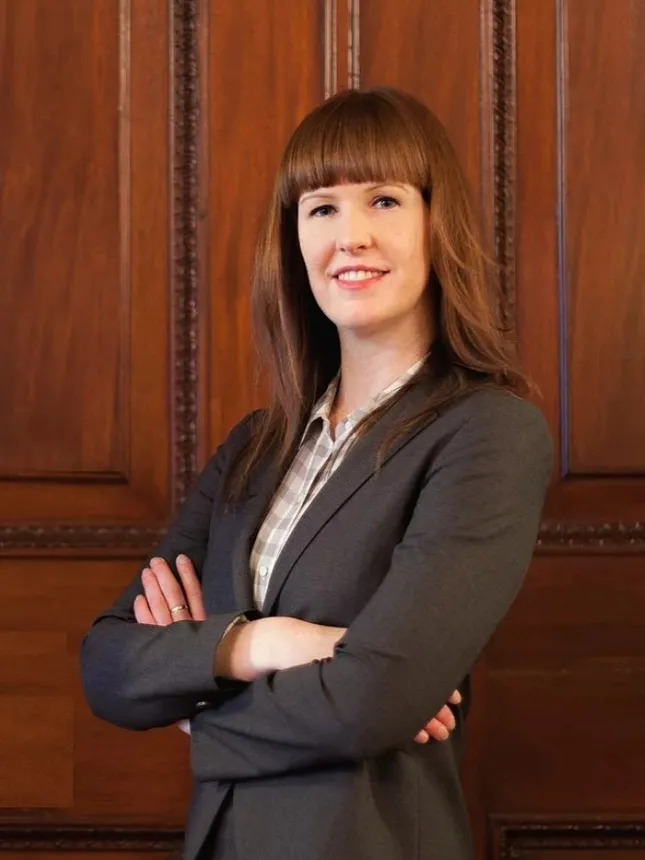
(579, 214)
(566, 691)
(83, 366)
(36, 725)
(61, 190)
(431, 51)
(262, 80)
(603, 142)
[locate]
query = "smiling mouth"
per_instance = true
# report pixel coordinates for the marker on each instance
(357, 277)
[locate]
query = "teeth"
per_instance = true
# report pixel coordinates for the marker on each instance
(358, 275)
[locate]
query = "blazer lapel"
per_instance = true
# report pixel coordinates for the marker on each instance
(358, 467)
(259, 495)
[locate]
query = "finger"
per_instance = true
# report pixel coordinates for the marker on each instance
(192, 587)
(446, 717)
(437, 730)
(456, 698)
(142, 610)
(170, 589)
(156, 600)
(423, 737)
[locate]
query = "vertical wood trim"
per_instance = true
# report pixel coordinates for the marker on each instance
(354, 45)
(338, 40)
(184, 125)
(125, 231)
(330, 53)
(203, 386)
(503, 121)
(561, 227)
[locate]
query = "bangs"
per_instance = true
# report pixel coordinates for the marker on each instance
(355, 137)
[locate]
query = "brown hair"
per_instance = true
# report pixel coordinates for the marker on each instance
(376, 135)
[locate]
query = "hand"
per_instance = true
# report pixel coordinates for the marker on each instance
(163, 593)
(441, 725)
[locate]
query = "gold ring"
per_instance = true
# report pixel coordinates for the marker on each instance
(179, 608)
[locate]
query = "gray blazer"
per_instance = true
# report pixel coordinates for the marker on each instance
(420, 561)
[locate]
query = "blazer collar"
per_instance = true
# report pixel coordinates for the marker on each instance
(358, 466)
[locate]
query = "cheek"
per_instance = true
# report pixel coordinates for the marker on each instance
(308, 248)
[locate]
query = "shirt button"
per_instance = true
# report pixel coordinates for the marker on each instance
(263, 571)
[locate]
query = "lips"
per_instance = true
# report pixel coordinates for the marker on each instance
(354, 280)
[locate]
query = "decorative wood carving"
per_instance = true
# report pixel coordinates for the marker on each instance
(185, 110)
(504, 179)
(513, 840)
(29, 837)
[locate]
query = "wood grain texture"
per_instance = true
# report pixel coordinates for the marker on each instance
(36, 720)
(185, 106)
(62, 353)
(84, 214)
(432, 51)
(603, 92)
(578, 281)
(263, 78)
(566, 691)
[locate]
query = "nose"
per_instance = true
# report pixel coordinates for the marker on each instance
(354, 232)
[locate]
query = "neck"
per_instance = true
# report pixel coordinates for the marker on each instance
(369, 365)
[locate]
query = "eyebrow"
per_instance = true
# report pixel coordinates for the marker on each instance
(320, 192)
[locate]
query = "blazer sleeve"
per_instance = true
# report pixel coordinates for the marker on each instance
(139, 676)
(452, 578)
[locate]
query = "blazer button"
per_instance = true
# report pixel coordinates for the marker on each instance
(263, 571)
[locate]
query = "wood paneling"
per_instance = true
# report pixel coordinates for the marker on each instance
(84, 211)
(603, 188)
(36, 725)
(415, 46)
(262, 80)
(60, 248)
(141, 149)
(580, 215)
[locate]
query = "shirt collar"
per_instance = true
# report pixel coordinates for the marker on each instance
(322, 408)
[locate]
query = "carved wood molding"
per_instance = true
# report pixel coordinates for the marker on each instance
(341, 45)
(185, 115)
(610, 536)
(513, 840)
(109, 537)
(354, 47)
(30, 837)
(504, 100)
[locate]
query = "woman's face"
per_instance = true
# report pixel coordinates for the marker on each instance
(365, 247)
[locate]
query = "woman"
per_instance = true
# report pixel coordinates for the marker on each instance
(358, 542)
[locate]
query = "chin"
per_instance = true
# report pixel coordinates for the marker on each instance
(363, 325)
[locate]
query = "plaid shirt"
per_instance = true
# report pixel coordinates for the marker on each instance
(320, 453)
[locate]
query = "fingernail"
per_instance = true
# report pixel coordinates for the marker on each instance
(182, 559)
(458, 696)
(155, 561)
(445, 734)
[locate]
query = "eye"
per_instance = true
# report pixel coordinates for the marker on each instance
(321, 211)
(386, 202)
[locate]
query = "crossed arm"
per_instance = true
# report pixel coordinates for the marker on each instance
(451, 580)
(248, 651)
